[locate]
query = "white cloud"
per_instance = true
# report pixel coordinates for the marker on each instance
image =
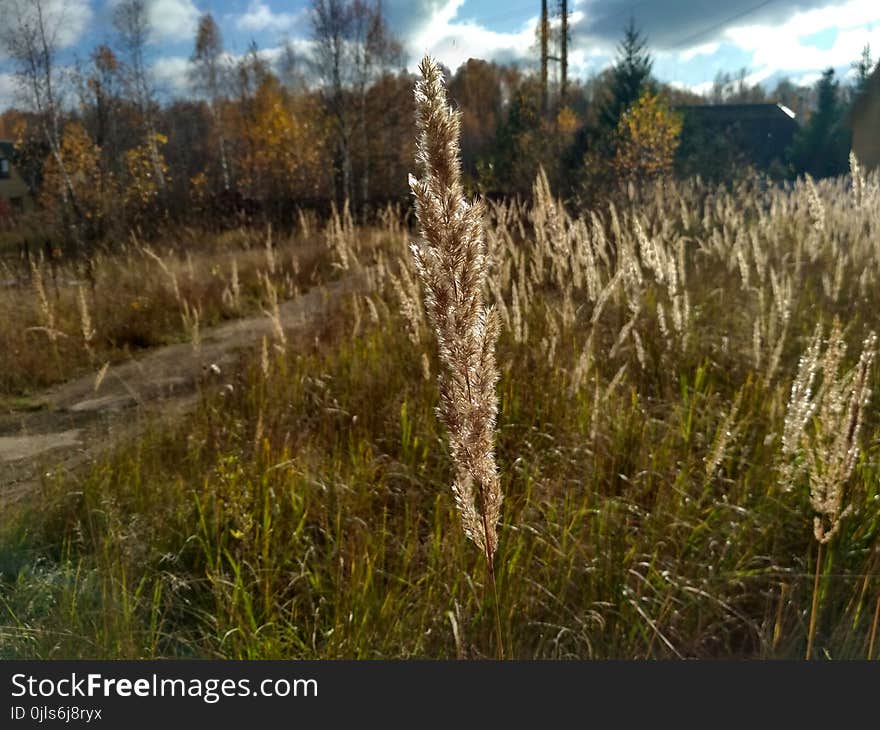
(702, 88)
(780, 43)
(170, 74)
(453, 43)
(65, 20)
(807, 79)
(173, 19)
(7, 91)
(259, 17)
(170, 20)
(705, 49)
(783, 47)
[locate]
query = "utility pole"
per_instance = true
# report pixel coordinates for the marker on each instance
(562, 58)
(545, 31)
(563, 42)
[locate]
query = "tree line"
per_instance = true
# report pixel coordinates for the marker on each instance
(261, 135)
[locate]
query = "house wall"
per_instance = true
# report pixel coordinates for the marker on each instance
(716, 140)
(14, 189)
(866, 125)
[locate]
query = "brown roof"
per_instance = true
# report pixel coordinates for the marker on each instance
(756, 112)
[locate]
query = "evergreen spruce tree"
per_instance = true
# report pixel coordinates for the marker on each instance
(863, 68)
(630, 76)
(589, 158)
(822, 145)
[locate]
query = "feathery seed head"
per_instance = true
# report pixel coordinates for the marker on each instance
(451, 261)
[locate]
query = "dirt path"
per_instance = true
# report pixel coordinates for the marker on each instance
(73, 422)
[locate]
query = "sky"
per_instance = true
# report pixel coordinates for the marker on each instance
(691, 40)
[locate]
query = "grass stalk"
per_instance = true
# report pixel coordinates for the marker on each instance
(874, 629)
(815, 606)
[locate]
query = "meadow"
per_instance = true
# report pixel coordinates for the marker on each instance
(685, 443)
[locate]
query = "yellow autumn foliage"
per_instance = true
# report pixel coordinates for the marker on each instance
(282, 143)
(567, 122)
(88, 184)
(647, 138)
(141, 187)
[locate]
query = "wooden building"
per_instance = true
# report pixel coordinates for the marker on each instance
(14, 191)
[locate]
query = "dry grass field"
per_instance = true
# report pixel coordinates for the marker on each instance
(686, 443)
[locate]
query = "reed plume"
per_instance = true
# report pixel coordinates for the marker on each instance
(829, 449)
(274, 310)
(88, 330)
(236, 286)
(452, 265)
(46, 310)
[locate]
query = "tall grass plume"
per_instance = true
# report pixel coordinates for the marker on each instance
(451, 261)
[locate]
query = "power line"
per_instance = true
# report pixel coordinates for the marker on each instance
(721, 24)
(516, 7)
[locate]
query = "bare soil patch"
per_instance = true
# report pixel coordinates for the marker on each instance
(68, 425)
